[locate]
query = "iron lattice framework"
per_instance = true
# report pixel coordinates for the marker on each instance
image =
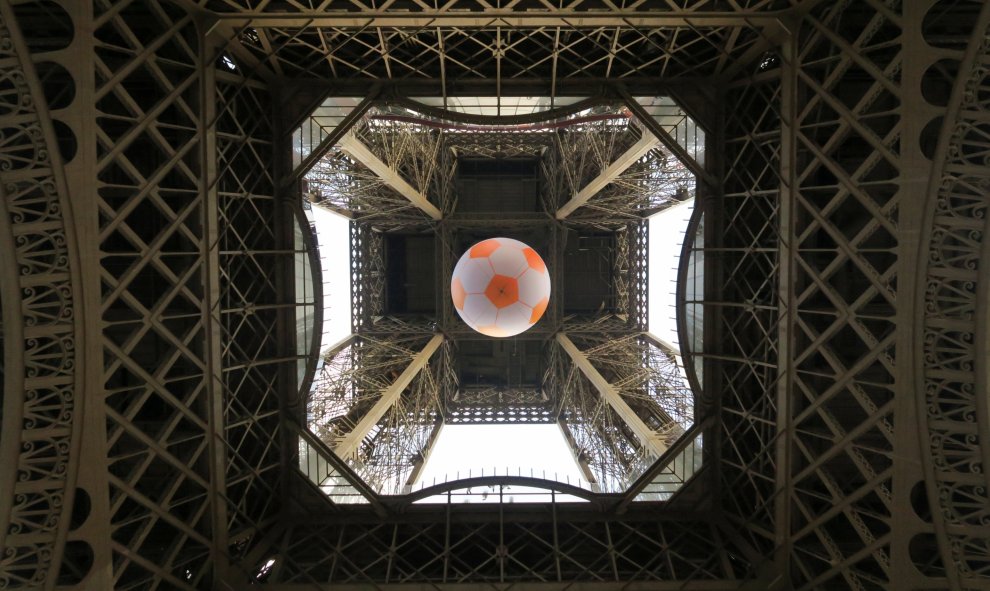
(149, 330)
(386, 174)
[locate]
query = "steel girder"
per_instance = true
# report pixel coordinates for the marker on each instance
(815, 304)
(469, 40)
(498, 544)
(826, 159)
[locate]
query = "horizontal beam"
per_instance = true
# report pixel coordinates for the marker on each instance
(356, 149)
(647, 437)
(674, 585)
(348, 446)
(646, 143)
(396, 90)
(570, 19)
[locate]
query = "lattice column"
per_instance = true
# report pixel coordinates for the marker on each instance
(646, 376)
(610, 174)
(418, 154)
(656, 181)
(741, 303)
(345, 185)
(255, 250)
(848, 194)
(367, 275)
(610, 449)
(388, 173)
(624, 409)
(159, 371)
(357, 150)
(580, 157)
(623, 279)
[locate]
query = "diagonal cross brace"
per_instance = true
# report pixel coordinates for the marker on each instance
(356, 149)
(646, 143)
(654, 127)
(647, 437)
(348, 446)
(333, 137)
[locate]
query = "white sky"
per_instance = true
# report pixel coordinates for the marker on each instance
(463, 451)
(469, 449)
(335, 254)
(666, 237)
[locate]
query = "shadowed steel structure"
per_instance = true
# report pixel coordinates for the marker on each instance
(154, 159)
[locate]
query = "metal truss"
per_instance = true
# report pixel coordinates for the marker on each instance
(647, 438)
(162, 374)
(609, 174)
(604, 176)
(358, 151)
(491, 406)
(43, 354)
(583, 158)
(559, 542)
(470, 40)
(952, 396)
(641, 379)
(595, 433)
(849, 445)
(650, 185)
(257, 312)
(367, 275)
(372, 375)
(837, 385)
(808, 321)
(416, 152)
(741, 306)
(346, 186)
(638, 307)
(489, 144)
(668, 13)
(181, 237)
(647, 376)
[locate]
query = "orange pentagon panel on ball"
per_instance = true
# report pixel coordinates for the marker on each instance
(538, 310)
(502, 291)
(457, 293)
(534, 260)
(484, 248)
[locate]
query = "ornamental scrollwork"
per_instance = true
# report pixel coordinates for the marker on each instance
(44, 354)
(952, 337)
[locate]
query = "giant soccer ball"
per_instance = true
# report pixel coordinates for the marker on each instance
(500, 287)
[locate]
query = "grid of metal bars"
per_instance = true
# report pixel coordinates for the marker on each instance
(813, 233)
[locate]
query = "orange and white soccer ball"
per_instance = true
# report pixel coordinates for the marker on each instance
(500, 287)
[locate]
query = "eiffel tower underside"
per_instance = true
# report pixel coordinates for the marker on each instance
(170, 420)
